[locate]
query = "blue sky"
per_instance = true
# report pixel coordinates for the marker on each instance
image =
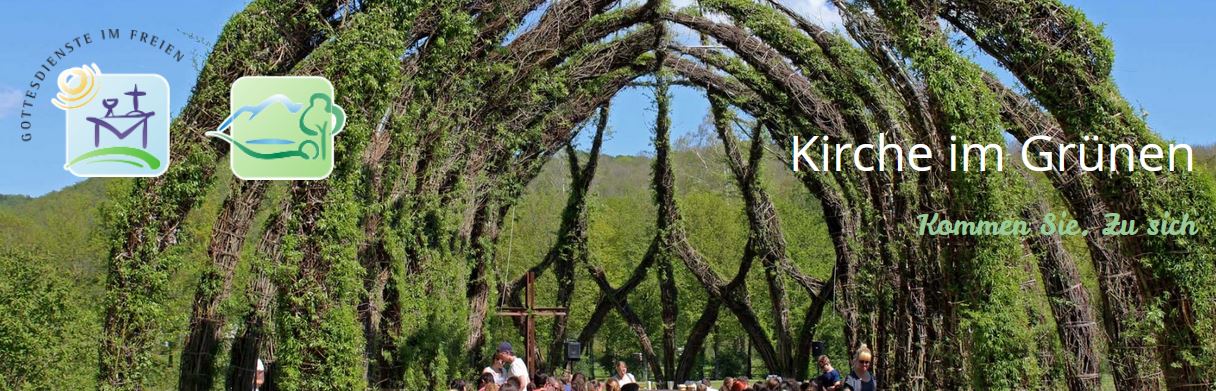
(1164, 64)
(35, 29)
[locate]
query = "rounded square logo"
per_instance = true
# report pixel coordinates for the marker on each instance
(117, 124)
(282, 127)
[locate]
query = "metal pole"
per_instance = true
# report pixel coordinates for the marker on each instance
(717, 371)
(642, 364)
(530, 342)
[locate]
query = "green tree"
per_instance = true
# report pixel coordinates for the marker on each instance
(47, 331)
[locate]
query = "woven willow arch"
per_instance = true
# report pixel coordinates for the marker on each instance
(451, 120)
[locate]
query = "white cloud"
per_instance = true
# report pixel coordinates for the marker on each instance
(10, 101)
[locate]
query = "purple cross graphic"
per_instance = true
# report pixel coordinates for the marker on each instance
(140, 118)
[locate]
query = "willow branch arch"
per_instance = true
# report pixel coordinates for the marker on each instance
(451, 120)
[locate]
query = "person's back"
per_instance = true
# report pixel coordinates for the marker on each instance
(578, 382)
(541, 380)
(496, 370)
(486, 382)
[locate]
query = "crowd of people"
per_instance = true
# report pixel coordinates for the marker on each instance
(860, 378)
(507, 372)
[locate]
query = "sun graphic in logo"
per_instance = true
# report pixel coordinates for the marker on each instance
(77, 87)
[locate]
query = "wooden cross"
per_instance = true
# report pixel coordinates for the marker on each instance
(528, 312)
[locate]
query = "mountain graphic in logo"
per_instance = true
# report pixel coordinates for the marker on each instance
(282, 127)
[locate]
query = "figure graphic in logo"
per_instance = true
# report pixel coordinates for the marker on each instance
(140, 117)
(100, 141)
(282, 127)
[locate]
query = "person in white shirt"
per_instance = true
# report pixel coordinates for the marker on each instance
(259, 377)
(515, 366)
(623, 376)
(495, 369)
